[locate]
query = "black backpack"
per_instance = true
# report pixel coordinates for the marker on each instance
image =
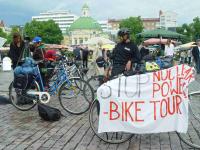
(49, 113)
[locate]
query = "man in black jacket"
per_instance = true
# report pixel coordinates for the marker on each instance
(124, 54)
(196, 56)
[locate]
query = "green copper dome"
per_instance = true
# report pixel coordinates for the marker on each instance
(86, 23)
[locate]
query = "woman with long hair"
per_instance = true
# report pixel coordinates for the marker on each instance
(16, 49)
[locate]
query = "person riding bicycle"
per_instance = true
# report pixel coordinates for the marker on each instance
(124, 54)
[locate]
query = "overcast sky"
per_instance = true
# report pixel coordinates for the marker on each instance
(21, 11)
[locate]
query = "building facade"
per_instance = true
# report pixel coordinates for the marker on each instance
(63, 18)
(151, 23)
(168, 19)
(84, 28)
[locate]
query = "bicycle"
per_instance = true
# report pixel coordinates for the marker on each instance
(67, 89)
(75, 70)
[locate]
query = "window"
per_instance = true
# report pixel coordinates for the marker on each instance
(81, 41)
(75, 41)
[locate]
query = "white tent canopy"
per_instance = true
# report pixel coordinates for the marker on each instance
(98, 41)
(186, 46)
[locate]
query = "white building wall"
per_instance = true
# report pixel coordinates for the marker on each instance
(168, 19)
(63, 18)
(105, 26)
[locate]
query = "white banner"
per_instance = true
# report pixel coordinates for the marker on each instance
(147, 103)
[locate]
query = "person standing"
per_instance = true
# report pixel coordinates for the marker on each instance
(196, 56)
(85, 54)
(39, 56)
(98, 57)
(189, 54)
(124, 54)
(169, 48)
(16, 49)
(77, 53)
(144, 51)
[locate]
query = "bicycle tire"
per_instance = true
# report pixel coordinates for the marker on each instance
(94, 81)
(15, 102)
(79, 101)
(194, 98)
(190, 138)
(106, 137)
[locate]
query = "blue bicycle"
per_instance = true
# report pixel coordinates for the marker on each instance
(73, 93)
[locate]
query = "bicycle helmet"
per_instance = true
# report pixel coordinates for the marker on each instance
(37, 39)
(100, 61)
(123, 31)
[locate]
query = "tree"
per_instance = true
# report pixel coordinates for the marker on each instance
(48, 30)
(15, 29)
(135, 25)
(185, 29)
(2, 33)
(196, 28)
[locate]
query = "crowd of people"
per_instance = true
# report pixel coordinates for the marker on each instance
(124, 55)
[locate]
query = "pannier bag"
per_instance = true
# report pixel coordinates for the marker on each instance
(48, 113)
(23, 81)
(167, 62)
(24, 74)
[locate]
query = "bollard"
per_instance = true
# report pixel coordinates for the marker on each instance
(6, 64)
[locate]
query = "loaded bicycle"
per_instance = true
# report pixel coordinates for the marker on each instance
(74, 94)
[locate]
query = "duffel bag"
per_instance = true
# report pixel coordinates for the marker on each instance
(48, 113)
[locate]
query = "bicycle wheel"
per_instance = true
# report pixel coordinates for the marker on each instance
(95, 82)
(192, 137)
(23, 99)
(75, 96)
(109, 137)
(194, 98)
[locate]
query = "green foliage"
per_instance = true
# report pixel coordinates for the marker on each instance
(14, 29)
(196, 28)
(134, 24)
(191, 31)
(48, 30)
(2, 34)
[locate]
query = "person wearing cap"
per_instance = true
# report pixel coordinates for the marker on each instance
(16, 49)
(196, 56)
(38, 49)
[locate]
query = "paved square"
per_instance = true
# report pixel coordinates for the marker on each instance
(25, 130)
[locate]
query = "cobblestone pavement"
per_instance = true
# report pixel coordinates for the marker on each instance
(25, 130)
